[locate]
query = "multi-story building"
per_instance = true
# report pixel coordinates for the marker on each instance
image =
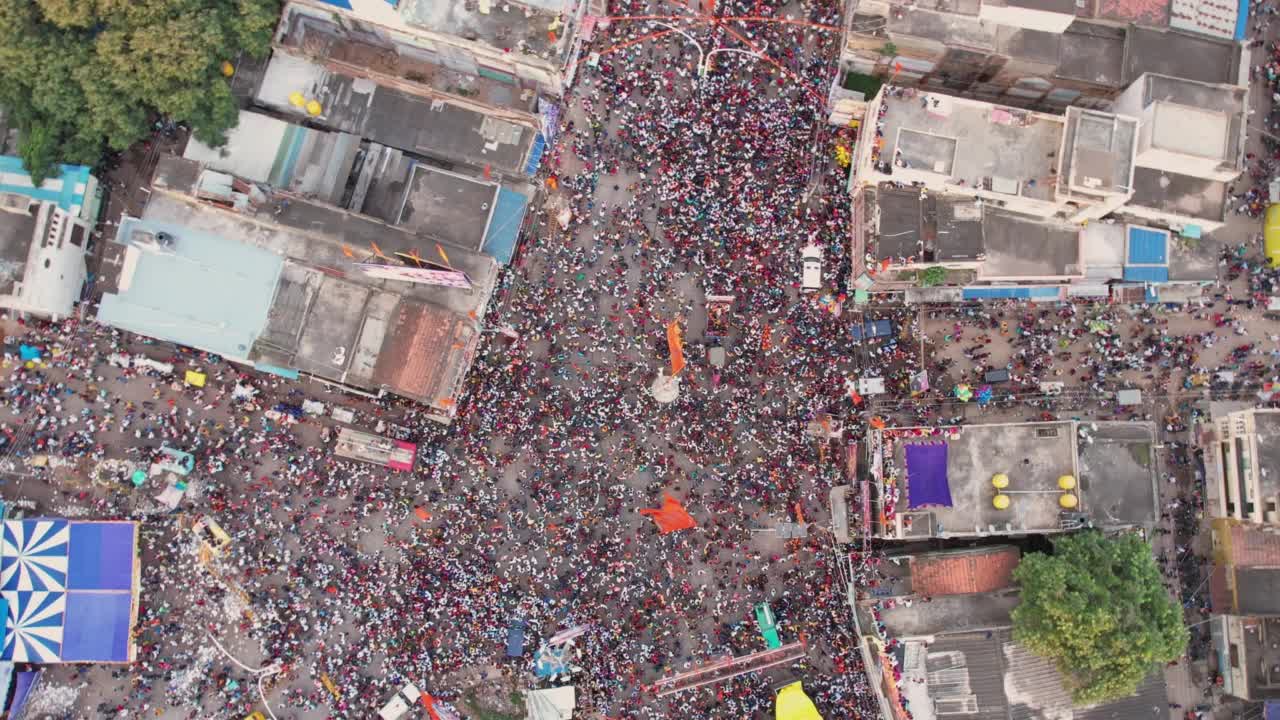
(42, 256)
(1242, 465)
(1248, 650)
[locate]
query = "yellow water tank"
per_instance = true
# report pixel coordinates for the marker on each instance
(1068, 500)
(228, 69)
(1000, 481)
(314, 108)
(1066, 482)
(1001, 502)
(297, 99)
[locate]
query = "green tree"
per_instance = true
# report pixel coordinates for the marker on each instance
(1098, 608)
(931, 276)
(81, 75)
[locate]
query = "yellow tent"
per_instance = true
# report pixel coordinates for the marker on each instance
(793, 704)
(194, 378)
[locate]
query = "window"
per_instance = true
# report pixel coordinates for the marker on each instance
(1235, 655)
(77, 235)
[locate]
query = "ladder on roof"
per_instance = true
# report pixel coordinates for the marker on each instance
(729, 667)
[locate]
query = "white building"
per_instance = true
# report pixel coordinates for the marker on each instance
(42, 257)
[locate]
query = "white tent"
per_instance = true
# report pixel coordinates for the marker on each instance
(552, 704)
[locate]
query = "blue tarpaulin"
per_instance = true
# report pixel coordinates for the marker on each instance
(1147, 246)
(535, 156)
(22, 687)
(927, 482)
(504, 226)
(1146, 274)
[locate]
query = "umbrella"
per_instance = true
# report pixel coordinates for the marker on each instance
(984, 394)
(963, 392)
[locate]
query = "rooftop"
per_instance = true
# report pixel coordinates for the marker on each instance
(1181, 194)
(946, 614)
(1260, 654)
(1267, 427)
(972, 143)
(1257, 590)
(395, 117)
(980, 570)
(1099, 155)
(1181, 55)
(1252, 546)
(321, 37)
(516, 27)
(1018, 247)
(453, 207)
(68, 188)
(901, 217)
(17, 230)
(927, 227)
(284, 155)
(949, 482)
(320, 235)
(205, 290)
(1118, 479)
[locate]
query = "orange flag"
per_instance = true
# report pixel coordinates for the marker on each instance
(440, 250)
(675, 345)
(766, 340)
(347, 251)
(378, 251)
(671, 516)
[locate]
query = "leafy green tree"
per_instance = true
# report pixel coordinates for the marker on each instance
(932, 276)
(1098, 608)
(79, 76)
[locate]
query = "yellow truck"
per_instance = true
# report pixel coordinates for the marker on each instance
(793, 704)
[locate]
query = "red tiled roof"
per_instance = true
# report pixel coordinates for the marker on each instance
(1253, 547)
(1219, 593)
(422, 350)
(963, 573)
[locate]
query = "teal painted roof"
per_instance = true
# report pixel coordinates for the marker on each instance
(67, 189)
(504, 227)
(210, 293)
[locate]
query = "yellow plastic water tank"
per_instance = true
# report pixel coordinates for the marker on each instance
(1068, 500)
(228, 69)
(1001, 502)
(297, 99)
(1066, 482)
(314, 108)
(1000, 481)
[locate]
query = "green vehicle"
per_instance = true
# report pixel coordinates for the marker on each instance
(768, 625)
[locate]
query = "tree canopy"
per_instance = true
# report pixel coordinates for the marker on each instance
(1098, 607)
(81, 76)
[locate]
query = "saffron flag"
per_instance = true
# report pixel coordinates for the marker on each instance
(671, 516)
(675, 345)
(766, 340)
(440, 249)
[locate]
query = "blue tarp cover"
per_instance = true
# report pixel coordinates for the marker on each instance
(927, 475)
(1147, 247)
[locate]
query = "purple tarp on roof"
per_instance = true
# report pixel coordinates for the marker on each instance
(927, 475)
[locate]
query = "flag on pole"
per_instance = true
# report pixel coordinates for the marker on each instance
(766, 340)
(675, 345)
(347, 251)
(378, 251)
(671, 516)
(443, 254)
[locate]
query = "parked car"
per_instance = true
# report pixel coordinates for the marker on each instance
(811, 268)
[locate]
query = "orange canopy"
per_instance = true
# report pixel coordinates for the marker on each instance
(671, 516)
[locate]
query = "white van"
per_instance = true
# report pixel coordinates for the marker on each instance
(810, 268)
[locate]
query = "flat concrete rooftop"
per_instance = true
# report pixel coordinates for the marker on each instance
(1181, 55)
(1117, 474)
(1267, 426)
(1033, 455)
(1182, 194)
(949, 614)
(394, 117)
(973, 142)
(316, 234)
(451, 206)
(1020, 248)
(508, 26)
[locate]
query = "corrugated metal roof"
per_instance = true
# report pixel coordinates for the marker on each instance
(1033, 686)
(1149, 702)
(968, 665)
(1253, 547)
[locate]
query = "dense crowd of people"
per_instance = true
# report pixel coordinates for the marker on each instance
(678, 184)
